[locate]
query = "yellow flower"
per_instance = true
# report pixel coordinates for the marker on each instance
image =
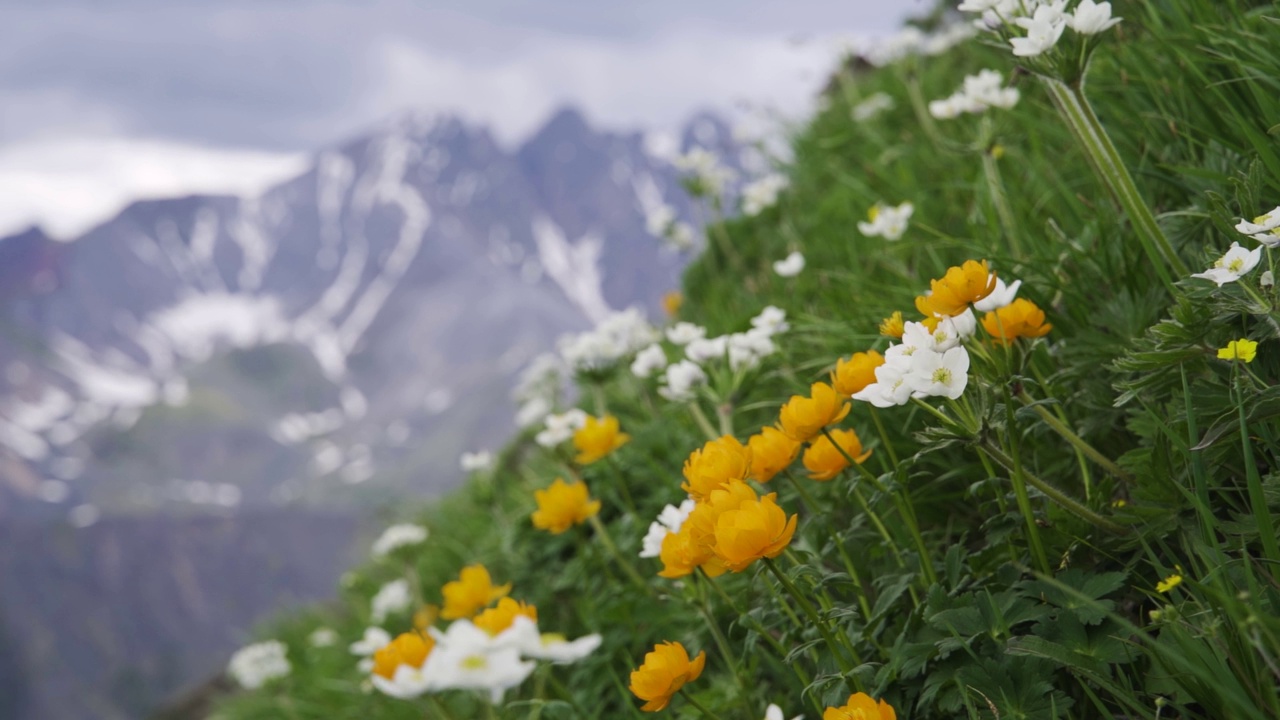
(671, 302)
(771, 453)
(1169, 583)
(802, 418)
(1021, 318)
(496, 619)
(854, 374)
(701, 523)
(665, 670)
(409, 649)
(860, 706)
(961, 285)
(825, 461)
(893, 326)
(755, 529)
(1242, 349)
(562, 506)
(715, 464)
(597, 438)
(682, 553)
(471, 592)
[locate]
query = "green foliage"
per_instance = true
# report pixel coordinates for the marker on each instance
(998, 555)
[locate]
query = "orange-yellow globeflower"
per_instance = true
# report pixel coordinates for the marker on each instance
(893, 326)
(504, 614)
(471, 592)
(854, 374)
(563, 505)
(772, 451)
(597, 438)
(755, 529)
(861, 706)
(803, 418)
(1020, 318)
(665, 670)
(953, 293)
(715, 464)
(824, 461)
(409, 649)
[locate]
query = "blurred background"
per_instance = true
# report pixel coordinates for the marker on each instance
(268, 267)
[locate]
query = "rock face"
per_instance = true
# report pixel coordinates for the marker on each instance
(328, 346)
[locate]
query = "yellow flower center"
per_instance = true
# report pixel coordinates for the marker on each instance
(475, 662)
(942, 376)
(1236, 265)
(1262, 219)
(553, 638)
(873, 213)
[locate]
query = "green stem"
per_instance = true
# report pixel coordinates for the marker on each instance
(1067, 502)
(1000, 199)
(804, 494)
(724, 412)
(1076, 441)
(440, 707)
(627, 567)
(1257, 498)
(884, 436)
(623, 490)
(701, 419)
(1074, 108)
(722, 643)
(812, 615)
(1199, 475)
(700, 706)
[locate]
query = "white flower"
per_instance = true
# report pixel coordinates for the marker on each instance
(1268, 279)
(394, 597)
(790, 266)
(532, 412)
(651, 544)
(322, 637)
(706, 349)
(465, 657)
(978, 6)
(887, 221)
(940, 374)
(617, 335)
(681, 235)
(1091, 18)
(916, 337)
(890, 387)
(874, 105)
(1263, 228)
(659, 220)
(407, 682)
(683, 333)
(1232, 266)
(396, 537)
(374, 639)
(648, 361)
(746, 349)
(254, 665)
(1044, 28)
(560, 428)
(560, 650)
(706, 169)
(962, 326)
(1000, 297)
(476, 461)
(944, 109)
(540, 380)
(762, 193)
(772, 320)
(773, 712)
(680, 380)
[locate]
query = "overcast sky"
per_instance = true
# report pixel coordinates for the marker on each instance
(108, 100)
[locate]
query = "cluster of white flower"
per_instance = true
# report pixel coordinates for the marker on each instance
(648, 361)
(742, 351)
(476, 461)
(661, 222)
(618, 335)
(875, 104)
(323, 637)
(398, 536)
(1264, 228)
(538, 388)
(394, 597)
(887, 221)
(1235, 264)
(979, 92)
(1043, 21)
(706, 170)
(560, 427)
(790, 266)
(912, 41)
(762, 193)
(669, 521)
(254, 665)
(466, 657)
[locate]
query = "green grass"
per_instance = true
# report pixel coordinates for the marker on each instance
(1037, 612)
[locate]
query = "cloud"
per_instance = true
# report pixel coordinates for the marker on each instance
(69, 185)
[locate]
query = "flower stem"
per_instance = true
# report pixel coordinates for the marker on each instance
(700, 706)
(1067, 502)
(627, 567)
(999, 196)
(1257, 498)
(1076, 441)
(1074, 108)
(722, 642)
(724, 411)
(812, 615)
(700, 418)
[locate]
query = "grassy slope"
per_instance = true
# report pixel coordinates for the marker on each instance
(1188, 92)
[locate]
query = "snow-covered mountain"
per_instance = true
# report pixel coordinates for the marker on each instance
(376, 305)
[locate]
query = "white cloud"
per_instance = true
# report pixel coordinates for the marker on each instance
(68, 185)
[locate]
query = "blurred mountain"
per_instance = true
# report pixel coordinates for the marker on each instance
(331, 345)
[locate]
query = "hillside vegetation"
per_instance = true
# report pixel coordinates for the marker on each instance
(1074, 517)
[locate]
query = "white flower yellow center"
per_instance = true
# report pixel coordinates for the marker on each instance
(553, 639)
(1262, 219)
(1236, 265)
(475, 662)
(940, 336)
(942, 376)
(873, 213)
